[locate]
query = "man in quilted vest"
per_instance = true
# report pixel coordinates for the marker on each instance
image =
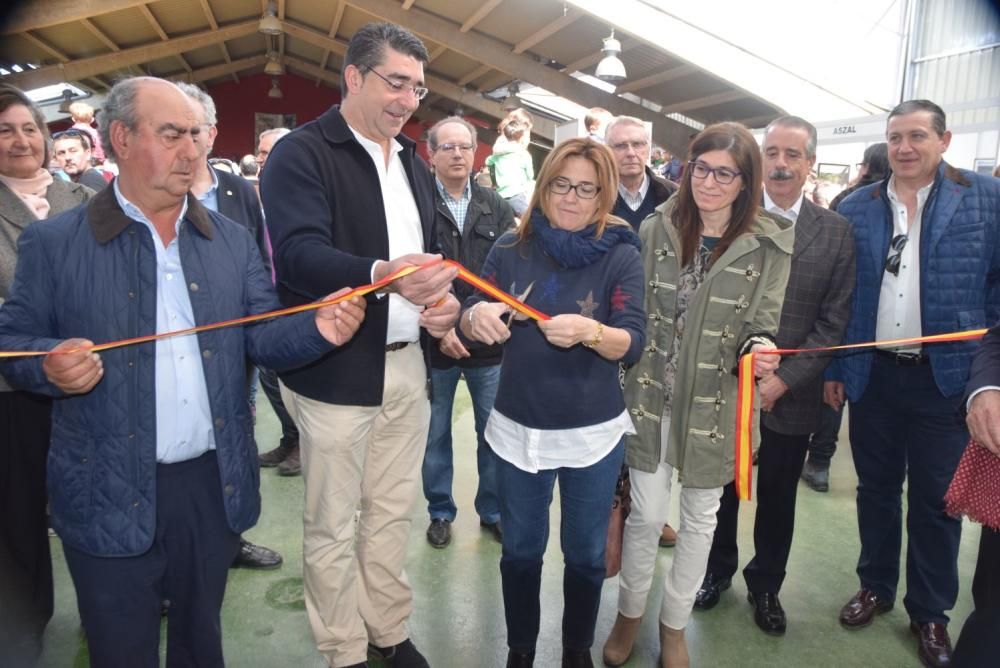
(928, 262)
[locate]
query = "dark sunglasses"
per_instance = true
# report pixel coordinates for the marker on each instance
(897, 245)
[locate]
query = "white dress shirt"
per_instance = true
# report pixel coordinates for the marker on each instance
(791, 213)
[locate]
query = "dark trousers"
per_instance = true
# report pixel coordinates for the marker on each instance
(120, 598)
(585, 495)
(823, 442)
(979, 644)
(903, 427)
(26, 600)
(779, 463)
(269, 383)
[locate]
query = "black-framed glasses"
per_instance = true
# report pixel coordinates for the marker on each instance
(74, 133)
(419, 92)
(448, 148)
(723, 175)
(897, 245)
(584, 189)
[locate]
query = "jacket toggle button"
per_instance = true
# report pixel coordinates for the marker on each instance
(228, 489)
(193, 286)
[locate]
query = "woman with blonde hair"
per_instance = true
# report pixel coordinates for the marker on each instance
(716, 268)
(559, 412)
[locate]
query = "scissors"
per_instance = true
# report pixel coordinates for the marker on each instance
(521, 298)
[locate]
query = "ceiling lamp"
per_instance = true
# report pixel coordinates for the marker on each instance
(67, 99)
(274, 65)
(269, 22)
(611, 68)
(275, 91)
(512, 102)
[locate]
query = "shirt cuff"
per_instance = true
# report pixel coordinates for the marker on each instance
(985, 388)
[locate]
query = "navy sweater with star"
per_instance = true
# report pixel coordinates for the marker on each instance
(543, 386)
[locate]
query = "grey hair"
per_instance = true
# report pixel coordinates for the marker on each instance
(913, 106)
(626, 120)
(367, 47)
(120, 105)
(433, 132)
(203, 98)
(801, 124)
(277, 132)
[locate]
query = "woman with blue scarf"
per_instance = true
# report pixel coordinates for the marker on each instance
(559, 412)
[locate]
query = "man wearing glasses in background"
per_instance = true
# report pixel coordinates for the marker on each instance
(469, 219)
(348, 201)
(639, 189)
(928, 262)
(72, 151)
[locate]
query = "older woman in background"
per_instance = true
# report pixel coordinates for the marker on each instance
(559, 412)
(28, 193)
(716, 271)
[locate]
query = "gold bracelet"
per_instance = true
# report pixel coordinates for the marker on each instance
(598, 337)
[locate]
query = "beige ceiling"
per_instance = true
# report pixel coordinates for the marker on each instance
(475, 46)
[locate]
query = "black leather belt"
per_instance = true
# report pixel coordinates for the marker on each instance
(903, 359)
(398, 345)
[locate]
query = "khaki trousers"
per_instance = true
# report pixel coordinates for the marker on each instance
(363, 458)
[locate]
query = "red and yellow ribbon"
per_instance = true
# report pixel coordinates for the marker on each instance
(463, 273)
(743, 475)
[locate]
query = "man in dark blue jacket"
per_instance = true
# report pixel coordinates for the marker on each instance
(928, 262)
(470, 219)
(152, 470)
(348, 201)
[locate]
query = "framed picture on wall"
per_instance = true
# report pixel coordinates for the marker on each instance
(833, 173)
(262, 121)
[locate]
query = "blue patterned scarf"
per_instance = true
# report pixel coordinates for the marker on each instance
(573, 250)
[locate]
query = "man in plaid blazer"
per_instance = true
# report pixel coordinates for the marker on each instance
(814, 315)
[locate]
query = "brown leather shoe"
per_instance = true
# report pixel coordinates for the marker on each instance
(934, 645)
(668, 537)
(292, 465)
(861, 610)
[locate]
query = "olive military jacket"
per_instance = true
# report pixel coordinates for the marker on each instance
(741, 296)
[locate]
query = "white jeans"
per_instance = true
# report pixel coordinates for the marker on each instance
(650, 506)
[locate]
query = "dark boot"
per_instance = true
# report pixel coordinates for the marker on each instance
(577, 658)
(292, 465)
(520, 659)
(274, 457)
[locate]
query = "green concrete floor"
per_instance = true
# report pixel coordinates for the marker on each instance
(458, 608)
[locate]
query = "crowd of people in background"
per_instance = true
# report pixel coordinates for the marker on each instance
(659, 270)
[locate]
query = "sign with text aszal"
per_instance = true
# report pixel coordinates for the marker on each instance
(853, 130)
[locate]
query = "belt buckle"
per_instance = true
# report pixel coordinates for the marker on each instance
(909, 359)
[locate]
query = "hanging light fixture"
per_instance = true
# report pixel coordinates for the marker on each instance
(270, 24)
(67, 99)
(611, 68)
(274, 66)
(512, 102)
(275, 91)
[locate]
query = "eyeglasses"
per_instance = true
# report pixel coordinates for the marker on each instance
(419, 92)
(623, 146)
(448, 148)
(584, 190)
(73, 133)
(897, 245)
(723, 175)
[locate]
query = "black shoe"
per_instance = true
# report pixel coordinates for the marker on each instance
(817, 479)
(403, 655)
(439, 533)
(577, 658)
(767, 612)
(292, 465)
(274, 457)
(494, 528)
(520, 659)
(256, 556)
(711, 588)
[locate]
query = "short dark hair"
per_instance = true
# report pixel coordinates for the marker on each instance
(432, 134)
(10, 96)
(801, 124)
(877, 160)
(367, 48)
(74, 133)
(913, 106)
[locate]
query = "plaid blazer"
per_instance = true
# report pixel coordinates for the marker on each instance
(814, 315)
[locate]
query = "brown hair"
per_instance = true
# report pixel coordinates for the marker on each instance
(10, 96)
(601, 158)
(736, 140)
(515, 124)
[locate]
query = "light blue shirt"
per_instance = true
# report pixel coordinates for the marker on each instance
(458, 207)
(210, 199)
(183, 415)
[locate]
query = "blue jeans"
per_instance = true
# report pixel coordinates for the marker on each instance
(438, 469)
(585, 495)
